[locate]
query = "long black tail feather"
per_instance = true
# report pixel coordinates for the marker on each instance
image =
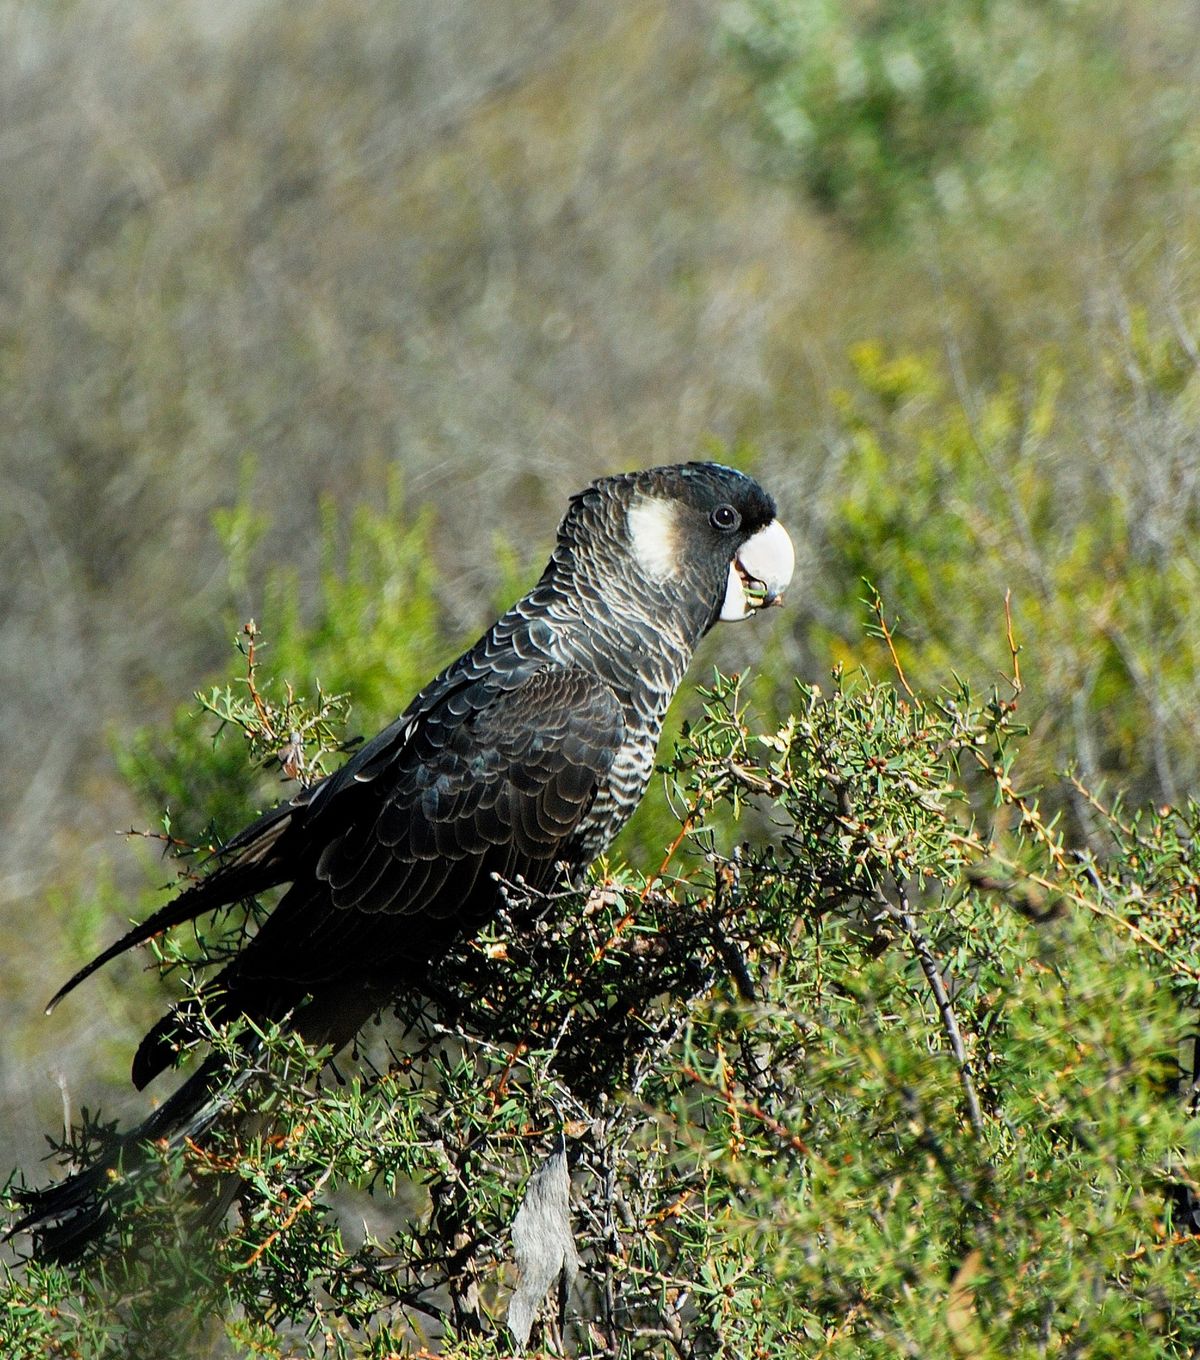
(210, 894)
(68, 1217)
(244, 866)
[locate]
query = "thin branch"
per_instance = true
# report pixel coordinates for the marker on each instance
(1013, 648)
(1107, 813)
(904, 917)
(876, 603)
(302, 1205)
(250, 632)
(736, 1106)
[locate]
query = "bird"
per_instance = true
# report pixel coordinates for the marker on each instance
(520, 761)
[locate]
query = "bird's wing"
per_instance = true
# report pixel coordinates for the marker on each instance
(406, 774)
(492, 783)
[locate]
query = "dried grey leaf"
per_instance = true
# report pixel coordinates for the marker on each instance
(542, 1242)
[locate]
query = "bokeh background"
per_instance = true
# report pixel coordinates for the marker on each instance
(316, 312)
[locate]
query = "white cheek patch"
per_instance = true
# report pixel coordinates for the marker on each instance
(653, 532)
(736, 605)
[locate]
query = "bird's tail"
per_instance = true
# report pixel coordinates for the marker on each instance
(67, 1217)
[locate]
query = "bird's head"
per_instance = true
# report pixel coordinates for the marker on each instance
(699, 533)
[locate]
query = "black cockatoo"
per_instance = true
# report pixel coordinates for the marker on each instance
(523, 758)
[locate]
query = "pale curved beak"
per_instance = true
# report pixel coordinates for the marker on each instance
(759, 573)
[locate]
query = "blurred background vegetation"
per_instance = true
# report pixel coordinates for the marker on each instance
(315, 313)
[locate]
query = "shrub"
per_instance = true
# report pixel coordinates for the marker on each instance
(896, 1074)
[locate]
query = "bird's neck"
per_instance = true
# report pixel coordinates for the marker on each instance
(638, 640)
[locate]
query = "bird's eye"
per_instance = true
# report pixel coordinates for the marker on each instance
(725, 517)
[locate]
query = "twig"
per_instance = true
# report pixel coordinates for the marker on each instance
(251, 633)
(1012, 645)
(736, 1105)
(302, 1205)
(835, 1333)
(773, 788)
(904, 917)
(501, 1085)
(1081, 900)
(688, 823)
(1108, 814)
(1053, 846)
(168, 841)
(628, 919)
(885, 633)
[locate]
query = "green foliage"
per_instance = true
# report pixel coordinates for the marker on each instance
(896, 1074)
(880, 108)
